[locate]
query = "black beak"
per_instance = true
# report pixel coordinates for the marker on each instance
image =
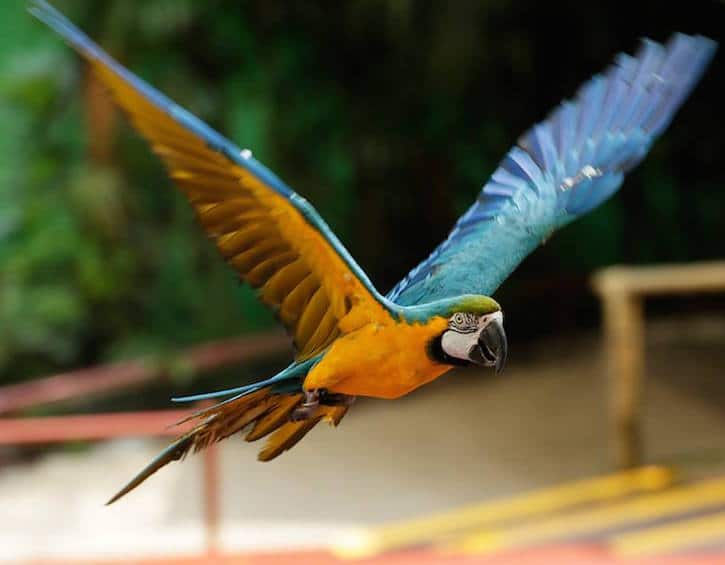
(493, 345)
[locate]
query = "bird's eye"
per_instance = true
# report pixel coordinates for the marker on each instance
(462, 322)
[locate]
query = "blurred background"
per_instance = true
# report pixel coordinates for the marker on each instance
(388, 116)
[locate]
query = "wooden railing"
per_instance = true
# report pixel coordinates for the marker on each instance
(622, 291)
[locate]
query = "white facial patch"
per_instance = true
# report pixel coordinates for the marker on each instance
(458, 345)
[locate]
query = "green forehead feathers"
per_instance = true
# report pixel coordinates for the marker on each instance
(471, 303)
(475, 304)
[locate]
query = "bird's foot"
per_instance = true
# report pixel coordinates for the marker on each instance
(317, 397)
(308, 406)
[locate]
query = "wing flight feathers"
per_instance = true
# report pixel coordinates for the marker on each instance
(561, 168)
(274, 239)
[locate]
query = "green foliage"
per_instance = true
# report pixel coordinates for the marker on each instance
(388, 115)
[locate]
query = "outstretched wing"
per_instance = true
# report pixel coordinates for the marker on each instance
(275, 239)
(560, 169)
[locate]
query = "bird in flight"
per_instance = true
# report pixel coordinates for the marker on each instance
(350, 339)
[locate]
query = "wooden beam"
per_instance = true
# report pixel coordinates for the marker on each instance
(662, 279)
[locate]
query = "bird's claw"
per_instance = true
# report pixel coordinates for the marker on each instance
(308, 406)
(315, 398)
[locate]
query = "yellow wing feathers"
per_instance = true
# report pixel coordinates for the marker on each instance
(258, 231)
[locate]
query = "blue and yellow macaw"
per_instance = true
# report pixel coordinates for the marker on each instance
(350, 339)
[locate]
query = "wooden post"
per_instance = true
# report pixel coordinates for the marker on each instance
(622, 291)
(624, 342)
(211, 492)
(211, 498)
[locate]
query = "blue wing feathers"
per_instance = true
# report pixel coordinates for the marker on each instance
(561, 168)
(512, 182)
(287, 380)
(566, 125)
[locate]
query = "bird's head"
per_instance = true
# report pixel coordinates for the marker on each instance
(474, 335)
(472, 338)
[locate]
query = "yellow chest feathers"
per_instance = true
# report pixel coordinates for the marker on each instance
(384, 361)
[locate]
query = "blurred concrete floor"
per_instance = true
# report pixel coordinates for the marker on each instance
(469, 437)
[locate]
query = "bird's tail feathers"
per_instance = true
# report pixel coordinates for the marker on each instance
(265, 410)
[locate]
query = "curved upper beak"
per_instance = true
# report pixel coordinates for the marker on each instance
(493, 345)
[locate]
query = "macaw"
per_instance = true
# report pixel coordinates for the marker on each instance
(350, 339)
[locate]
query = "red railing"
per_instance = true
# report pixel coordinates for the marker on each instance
(117, 376)
(126, 374)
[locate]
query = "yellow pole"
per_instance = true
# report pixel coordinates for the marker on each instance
(701, 496)
(437, 528)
